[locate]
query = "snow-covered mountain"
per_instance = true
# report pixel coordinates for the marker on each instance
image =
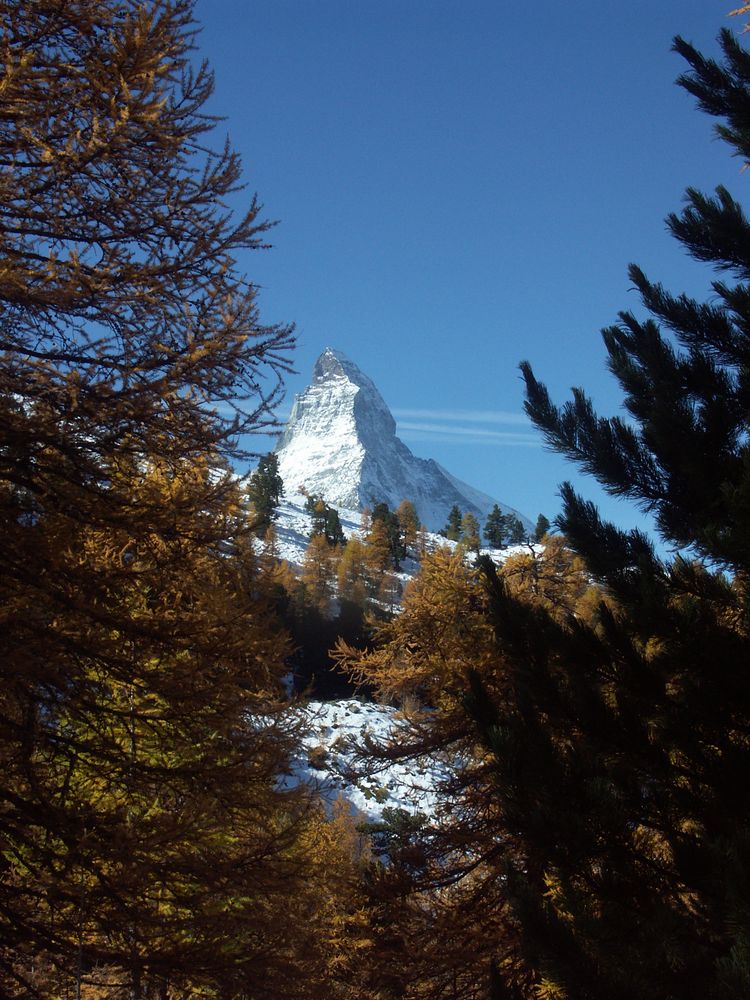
(340, 441)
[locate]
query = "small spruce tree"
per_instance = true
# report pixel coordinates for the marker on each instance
(541, 528)
(495, 528)
(516, 533)
(265, 490)
(452, 528)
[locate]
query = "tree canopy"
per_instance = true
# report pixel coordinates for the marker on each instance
(141, 729)
(594, 696)
(640, 721)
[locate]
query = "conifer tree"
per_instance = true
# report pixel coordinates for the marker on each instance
(381, 512)
(324, 520)
(265, 490)
(541, 527)
(316, 508)
(621, 750)
(554, 577)
(452, 528)
(379, 553)
(148, 764)
(352, 573)
(408, 522)
(143, 829)
(319, 574)
(515, 531)
(333, 531)
(495, 528)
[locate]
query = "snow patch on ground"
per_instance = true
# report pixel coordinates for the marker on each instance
(333, 727)
(328, 755)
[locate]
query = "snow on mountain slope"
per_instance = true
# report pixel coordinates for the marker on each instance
(340, 441)
(293, 526)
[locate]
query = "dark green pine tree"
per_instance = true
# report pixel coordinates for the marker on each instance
(495, 528)
(333, 531)
(541, 528)
(515, 531)
(324, 520)
(452, 527)
(622, 748)
(265, 489)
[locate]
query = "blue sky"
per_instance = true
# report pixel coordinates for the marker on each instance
(460, 186)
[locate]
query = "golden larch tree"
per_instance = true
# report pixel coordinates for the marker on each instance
(146, 840)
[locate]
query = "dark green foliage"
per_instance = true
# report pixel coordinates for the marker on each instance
(265, 489)
(721, 88)
(494, 528)
(503, 529)
(395, 837)
(515, 531)
(541, 528)
(381, 512)
(452, 528)
(324, 520)
(621, 746)
(333, 531)
(463, 528)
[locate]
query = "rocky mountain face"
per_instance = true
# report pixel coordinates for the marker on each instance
(340, 441)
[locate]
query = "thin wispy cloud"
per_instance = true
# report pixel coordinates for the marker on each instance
(464, 426)
(465, 416)
(451, 426)
(456, 433)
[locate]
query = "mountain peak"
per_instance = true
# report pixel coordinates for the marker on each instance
(340, 441)
(333, 362)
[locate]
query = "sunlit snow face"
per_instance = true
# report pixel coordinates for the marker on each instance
(340, 442)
